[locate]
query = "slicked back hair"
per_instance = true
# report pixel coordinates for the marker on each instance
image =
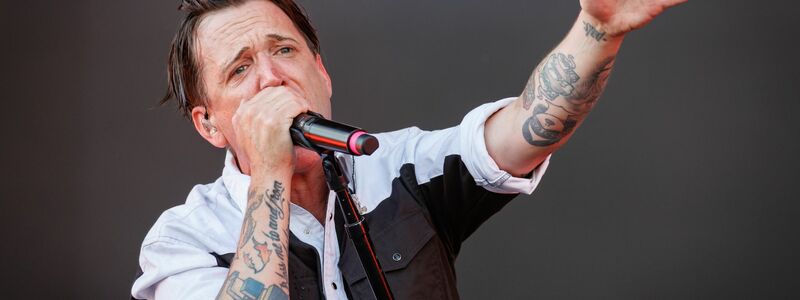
(184, 83)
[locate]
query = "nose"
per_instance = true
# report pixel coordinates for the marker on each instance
(269, 73)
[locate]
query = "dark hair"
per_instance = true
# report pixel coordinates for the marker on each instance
(183, 79)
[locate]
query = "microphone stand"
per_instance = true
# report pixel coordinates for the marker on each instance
(353, 221)
(355, 225)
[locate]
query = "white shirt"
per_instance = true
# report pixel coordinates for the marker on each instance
(177, 255)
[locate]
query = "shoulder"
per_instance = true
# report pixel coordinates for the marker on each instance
(202, 221)
(188, 237)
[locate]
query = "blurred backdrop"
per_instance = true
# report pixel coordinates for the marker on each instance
(681, 184)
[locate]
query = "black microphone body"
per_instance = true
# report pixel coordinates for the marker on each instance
(312, 131)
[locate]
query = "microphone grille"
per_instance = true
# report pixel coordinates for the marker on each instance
(367, 144)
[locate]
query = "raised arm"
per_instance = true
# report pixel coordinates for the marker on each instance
(566, 84)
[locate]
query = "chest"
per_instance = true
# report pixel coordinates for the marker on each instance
(324, 264)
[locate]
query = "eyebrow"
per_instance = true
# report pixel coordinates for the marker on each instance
(280, 38)
(227, 66)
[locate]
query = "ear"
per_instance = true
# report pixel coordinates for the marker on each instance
(321, 68)
(206, 128)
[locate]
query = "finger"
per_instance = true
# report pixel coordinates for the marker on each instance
(288, 108)
(671, 3)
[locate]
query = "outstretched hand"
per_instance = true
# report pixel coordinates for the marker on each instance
(617, 17)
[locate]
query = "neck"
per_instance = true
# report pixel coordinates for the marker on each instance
(310, 191)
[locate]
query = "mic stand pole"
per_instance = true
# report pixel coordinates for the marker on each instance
(355, 226)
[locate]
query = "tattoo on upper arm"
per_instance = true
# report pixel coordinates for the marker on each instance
(592, 32)
(560, 92)
(251, 289)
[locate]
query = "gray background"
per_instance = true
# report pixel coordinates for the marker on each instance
(680, 185)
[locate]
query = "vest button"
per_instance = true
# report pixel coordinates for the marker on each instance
(396, 256)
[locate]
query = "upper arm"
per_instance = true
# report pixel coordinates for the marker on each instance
(426, 151)
(177, 270)
(200, 283)
(507, 146)
(459, 182)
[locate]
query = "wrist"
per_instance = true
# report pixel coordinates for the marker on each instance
(599, 29)
(263, 175)
(256, 165)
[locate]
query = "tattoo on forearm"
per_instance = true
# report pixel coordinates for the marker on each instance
(251, 289)
(275, 203)
(592, 32)
(530, 92)
(258, 260)
(256, 247)
(560, 92)
(591, 88)
(249, 221)
(558, 77)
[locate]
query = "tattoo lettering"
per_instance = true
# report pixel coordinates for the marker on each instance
(275, 204)
(283, 272)
(261, 238)
(251, 289)
(561, 92)
(592, 32)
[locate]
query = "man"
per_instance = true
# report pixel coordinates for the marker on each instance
(268, 228)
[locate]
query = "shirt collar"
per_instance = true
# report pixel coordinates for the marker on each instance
(301, 222)
(236, 182)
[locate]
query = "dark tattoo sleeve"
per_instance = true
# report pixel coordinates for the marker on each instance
(560, 92)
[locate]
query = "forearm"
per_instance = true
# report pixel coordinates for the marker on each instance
(260, 266)
(558, 96)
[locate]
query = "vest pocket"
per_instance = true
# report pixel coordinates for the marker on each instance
(409, 258)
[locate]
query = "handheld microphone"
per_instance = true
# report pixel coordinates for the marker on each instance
(312, 131)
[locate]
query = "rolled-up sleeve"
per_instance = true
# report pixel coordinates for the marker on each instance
(477, 160)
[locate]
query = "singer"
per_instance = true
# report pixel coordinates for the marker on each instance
(242, 70)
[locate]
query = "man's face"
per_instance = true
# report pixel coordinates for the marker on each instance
(244, 49)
